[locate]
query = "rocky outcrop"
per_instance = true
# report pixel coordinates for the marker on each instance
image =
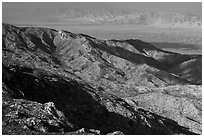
(64, 83)
(36, 116)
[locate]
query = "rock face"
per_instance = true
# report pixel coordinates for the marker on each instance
(57, 82)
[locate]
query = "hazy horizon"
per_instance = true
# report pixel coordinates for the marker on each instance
(19, 12)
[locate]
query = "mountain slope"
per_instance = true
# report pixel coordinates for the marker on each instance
(181, 103)
(84, 77)
(190, 69)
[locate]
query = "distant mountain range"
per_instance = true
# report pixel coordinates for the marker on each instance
(130, 17)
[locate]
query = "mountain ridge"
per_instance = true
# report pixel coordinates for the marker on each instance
(183, 19)
(90, 82)
(133, 17)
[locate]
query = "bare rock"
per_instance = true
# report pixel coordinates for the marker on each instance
(116, 133)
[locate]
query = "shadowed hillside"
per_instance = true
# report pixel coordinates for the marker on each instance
(77, 84)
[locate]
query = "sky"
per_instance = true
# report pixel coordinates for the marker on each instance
(21, 12)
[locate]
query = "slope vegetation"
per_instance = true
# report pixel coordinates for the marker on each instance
(83, 85)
